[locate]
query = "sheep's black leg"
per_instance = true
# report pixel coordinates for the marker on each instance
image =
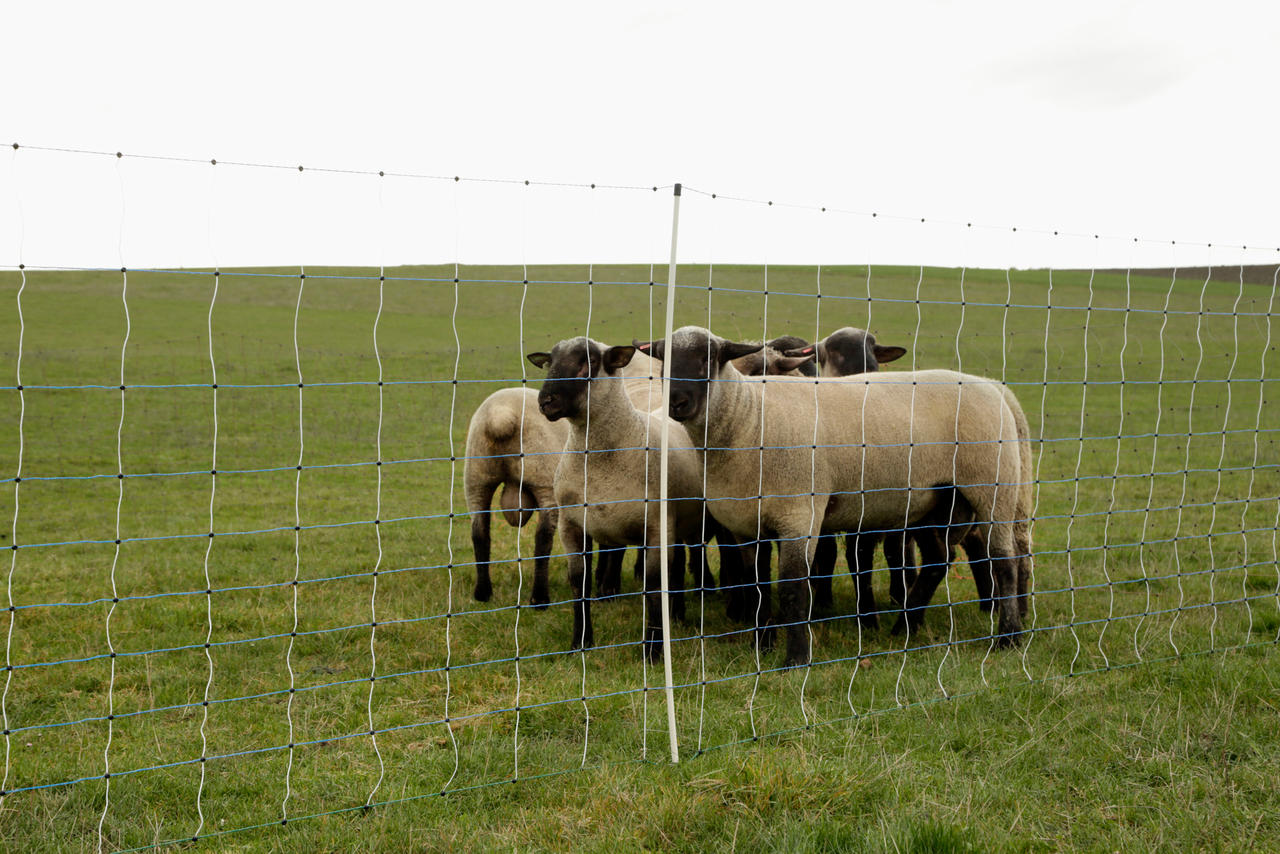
(700, 565)
(1022, 553)
(653, 596)
(1024, 583)
(900, 556)
(933, 567)
(975, 548)
(609, 571)
(730, 562)
(1005, 575)
(638, 568)
(824, 564)
(577, 548)
(734, 579)
(676, 576)
(793, 599)
(762, 607)
(480, 542)
(543, 541)
(860, 552)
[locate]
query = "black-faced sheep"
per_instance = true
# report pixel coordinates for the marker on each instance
(607, 480)
(850, 350)
(511, 447)
(797, 457)
(742, 588)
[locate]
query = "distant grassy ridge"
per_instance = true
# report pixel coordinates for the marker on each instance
(1253, 274)
(1152, 401)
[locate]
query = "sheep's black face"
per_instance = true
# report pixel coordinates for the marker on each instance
(571, 366)
(696, 358)
(691, 372)
(851, 351)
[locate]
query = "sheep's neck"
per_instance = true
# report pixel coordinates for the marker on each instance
(609, 420)
(732, 406)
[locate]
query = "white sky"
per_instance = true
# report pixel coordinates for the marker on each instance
(1155, 120)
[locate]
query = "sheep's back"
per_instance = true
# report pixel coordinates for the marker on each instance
(507, 424)
(882, 442)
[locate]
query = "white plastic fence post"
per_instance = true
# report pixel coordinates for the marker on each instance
(662, 487)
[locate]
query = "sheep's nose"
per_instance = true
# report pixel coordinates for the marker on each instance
(551, 406)
(681, 405)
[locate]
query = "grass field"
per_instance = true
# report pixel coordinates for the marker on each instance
(1140, 715)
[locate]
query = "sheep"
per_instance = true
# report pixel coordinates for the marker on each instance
(974, 541)
(734, 557)
(642, 381)
(823, 466)
(510, 445)
(857, 350)
(607, 480)
(847, 351)
(782, 356)
(850, 350)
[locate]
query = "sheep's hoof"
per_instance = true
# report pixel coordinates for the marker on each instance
(608, 591)
(583, 641)
(799, 659)
(540, 599)
(900, 627)
(765, 637)
(1009, 640)
(870, 622)
(986, 605)
(483, 592)
(653, 645)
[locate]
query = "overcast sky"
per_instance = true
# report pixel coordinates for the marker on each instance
(1126, 119)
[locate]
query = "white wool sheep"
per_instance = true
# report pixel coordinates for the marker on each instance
(607, 481)
(850, 350)
(742, 590)
(870, 452)
(512, 447)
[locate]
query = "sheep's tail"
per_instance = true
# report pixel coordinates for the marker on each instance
(502, 424)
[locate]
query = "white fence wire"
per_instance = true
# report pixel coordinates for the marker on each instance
(299, 597)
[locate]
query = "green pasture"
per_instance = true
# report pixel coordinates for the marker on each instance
(1140, 715)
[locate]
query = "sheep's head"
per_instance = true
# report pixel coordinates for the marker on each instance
(571, 366)
(849, 351)
(697, 359)
(773, 360)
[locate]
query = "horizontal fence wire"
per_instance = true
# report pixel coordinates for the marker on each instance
(331, 575)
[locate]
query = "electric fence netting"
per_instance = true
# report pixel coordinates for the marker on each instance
(290, 539)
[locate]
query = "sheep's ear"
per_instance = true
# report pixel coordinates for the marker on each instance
(539, 359)
(809, 352)
(618, 357)
(655, 349)
(888, 354)
(750, 366)
(787, 364)
(730, 350)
